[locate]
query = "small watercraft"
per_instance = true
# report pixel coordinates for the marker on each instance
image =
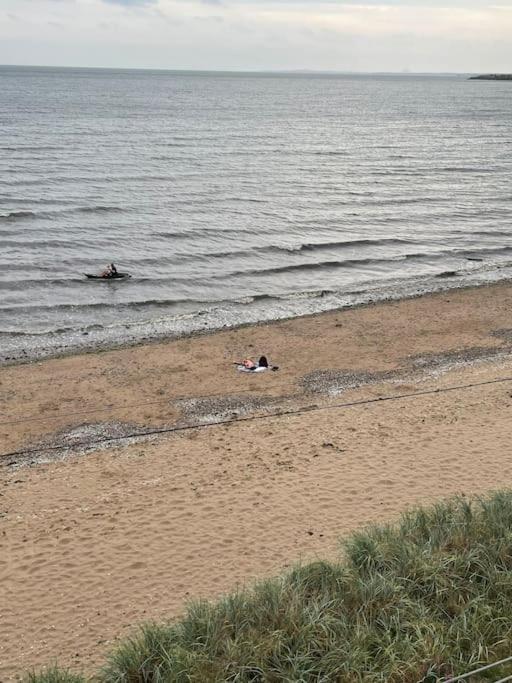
(115, 276)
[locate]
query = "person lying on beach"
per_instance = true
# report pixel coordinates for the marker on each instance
(248, 365)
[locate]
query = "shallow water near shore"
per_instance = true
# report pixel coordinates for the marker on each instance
(238, 198)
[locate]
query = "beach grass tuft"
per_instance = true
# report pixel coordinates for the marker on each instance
(53, 674)
(421, 600)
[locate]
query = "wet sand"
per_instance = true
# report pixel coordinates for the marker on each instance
(95, 541)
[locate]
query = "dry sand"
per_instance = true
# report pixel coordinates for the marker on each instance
(93, 543)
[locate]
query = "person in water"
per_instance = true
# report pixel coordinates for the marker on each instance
(110, 271)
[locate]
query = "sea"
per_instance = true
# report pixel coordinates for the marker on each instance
(233, 198)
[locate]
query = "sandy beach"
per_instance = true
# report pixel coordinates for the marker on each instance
(103, 526)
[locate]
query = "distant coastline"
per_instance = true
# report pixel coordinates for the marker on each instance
(492, 77)
(229, 72)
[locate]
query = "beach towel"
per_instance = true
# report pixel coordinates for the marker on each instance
(242, 368)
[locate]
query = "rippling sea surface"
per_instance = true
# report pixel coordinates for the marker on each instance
(233, 198)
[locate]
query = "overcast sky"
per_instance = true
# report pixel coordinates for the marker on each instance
(345, 35)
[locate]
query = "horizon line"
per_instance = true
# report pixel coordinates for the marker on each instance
(251, 70)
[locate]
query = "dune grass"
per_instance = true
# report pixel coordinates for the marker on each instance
(54, 675)
(419, 601)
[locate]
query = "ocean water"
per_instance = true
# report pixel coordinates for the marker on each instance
(233, 198)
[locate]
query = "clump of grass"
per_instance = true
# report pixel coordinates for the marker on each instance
(53, 675)
(419, 601)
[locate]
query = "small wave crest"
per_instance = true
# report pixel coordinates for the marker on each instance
(483, 233)
(99, 209)
(14, 334)
(30, 148)
(103, 306)
(321, 265)
(15, 215)
(23, 284)
(39, 244)
(26, 214)
(282, 249)
(313, 246)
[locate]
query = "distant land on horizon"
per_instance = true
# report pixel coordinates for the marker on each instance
(320, 72)
(492, 77)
